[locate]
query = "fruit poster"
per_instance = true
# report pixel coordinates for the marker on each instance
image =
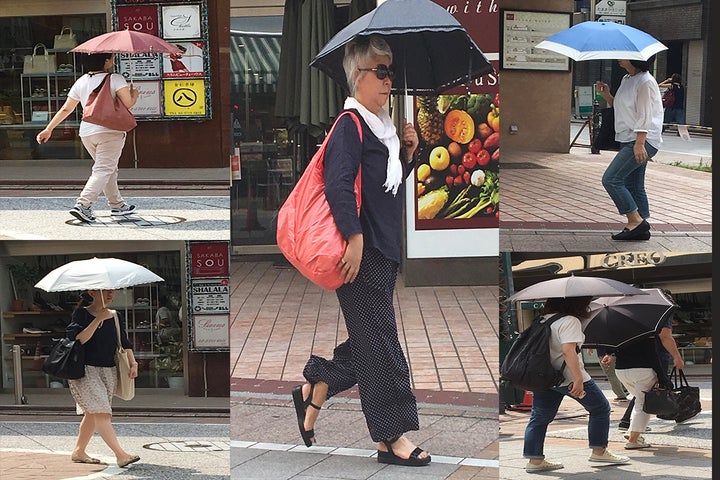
(455, 189)
(456, 177)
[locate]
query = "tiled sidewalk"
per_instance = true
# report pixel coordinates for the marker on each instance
(449, 334)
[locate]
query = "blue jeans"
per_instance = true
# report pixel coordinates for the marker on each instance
(545, 405)
(624, 180)
(674, 115)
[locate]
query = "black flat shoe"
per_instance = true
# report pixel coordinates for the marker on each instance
(390, 457)
(641, 232)
(301, 406)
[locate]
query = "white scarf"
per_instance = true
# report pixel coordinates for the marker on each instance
(383, 128)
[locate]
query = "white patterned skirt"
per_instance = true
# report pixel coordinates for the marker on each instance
(93, 393)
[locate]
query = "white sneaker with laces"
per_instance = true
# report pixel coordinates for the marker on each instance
(122, 211)
(608, 457)
(82, 213)
(543, 466)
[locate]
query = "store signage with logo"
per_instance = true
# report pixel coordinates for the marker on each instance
(208, 293)
(632, 259)
(211, 332)
(148, 103)
(610, 7)
(211, 259)
(183, 23)
(184, 97)
(141, 18)
(211, 296)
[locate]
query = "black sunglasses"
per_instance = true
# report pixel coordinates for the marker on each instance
(381, 71)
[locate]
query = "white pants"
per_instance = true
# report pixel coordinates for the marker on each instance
(105, 149)
(638, 381)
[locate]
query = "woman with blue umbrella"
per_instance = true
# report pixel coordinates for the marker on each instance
(637, 107)
(638, 127)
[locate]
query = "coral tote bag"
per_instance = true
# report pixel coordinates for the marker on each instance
(306, 230)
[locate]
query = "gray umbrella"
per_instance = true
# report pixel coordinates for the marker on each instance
(432, 51)
(575, 287)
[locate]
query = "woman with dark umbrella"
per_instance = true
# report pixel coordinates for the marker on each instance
(372, 356)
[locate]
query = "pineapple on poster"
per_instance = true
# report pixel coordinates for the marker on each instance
(456, 178)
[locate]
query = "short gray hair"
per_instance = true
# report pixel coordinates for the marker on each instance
(360, 50)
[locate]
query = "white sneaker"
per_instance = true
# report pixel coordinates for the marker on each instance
(608, 457)
(639, 443)
(82, 213)
(122, 211)
(543, 466)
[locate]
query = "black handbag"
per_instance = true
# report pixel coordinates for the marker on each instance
(66, 360)
(688, 398)
(605, 138)
(660, 401)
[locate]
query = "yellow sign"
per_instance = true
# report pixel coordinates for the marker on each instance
(184, 97)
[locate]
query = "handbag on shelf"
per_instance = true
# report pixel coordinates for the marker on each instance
(104, 110)
(660, 401)
(688, 398)
(40, 62)
(306, 231)
(125, 386)
(65, 40)
(66, 360)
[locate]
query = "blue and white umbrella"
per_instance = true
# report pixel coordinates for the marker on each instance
(603, 41)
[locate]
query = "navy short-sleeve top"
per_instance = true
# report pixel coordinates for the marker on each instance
(100, 348)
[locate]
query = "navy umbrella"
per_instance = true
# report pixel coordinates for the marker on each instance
(432, 52)
(616, 322)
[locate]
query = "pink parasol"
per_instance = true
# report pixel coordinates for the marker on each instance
(126, 41)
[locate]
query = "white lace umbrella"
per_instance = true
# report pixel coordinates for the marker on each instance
(97, 274)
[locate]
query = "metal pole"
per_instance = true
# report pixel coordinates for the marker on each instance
(17, 370)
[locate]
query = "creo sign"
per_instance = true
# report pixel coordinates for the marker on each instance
(209, 259)
(632, 259)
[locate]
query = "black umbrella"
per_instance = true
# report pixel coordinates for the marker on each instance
(432, 52)
(616, 322)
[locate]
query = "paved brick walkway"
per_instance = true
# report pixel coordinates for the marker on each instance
(278, 319)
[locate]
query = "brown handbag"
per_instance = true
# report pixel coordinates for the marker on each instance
(104, 110)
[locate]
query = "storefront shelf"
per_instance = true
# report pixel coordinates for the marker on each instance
(35, 312)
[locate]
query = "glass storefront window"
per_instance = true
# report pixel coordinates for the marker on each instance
(267, 169)
(29, 98)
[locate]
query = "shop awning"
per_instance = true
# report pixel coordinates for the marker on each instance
(254, 58)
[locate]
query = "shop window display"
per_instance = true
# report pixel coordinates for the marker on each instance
(35, 77)
(692, 327)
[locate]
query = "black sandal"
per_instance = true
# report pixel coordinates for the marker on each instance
(391, 458)
(301, 406)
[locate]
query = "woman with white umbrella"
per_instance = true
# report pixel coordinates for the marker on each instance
(93, 324)
(638, 127)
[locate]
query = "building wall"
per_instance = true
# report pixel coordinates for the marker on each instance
(538, 103)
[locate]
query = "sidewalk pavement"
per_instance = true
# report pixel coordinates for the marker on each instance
(177, 437)
(449, 335)
(173, 203)
(678, 451)
(157, 218)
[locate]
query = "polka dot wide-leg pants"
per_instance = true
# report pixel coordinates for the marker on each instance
(372, 356)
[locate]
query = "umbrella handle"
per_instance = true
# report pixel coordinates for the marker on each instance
(409, 107)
